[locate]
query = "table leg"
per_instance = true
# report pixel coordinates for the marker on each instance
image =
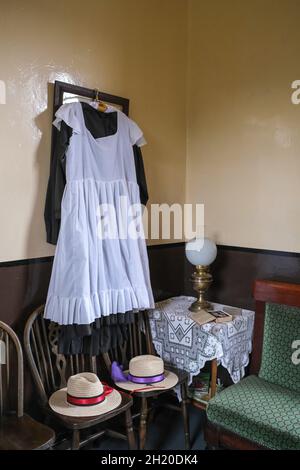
(185, 414)
(213, 378)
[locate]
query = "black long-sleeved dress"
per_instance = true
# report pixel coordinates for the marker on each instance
(105, 332)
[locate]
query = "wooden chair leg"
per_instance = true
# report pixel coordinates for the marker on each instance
(143, 423)
(129, 431)
(75, 439)
(185, 414)
(152, 412)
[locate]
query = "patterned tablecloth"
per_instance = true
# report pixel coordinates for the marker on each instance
(185, 344)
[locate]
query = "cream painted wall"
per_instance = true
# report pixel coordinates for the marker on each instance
(243, 152)
(226, 134)
(132, 48)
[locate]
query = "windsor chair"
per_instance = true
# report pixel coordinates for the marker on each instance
(140, 342)
(18, 431)
(51, 370)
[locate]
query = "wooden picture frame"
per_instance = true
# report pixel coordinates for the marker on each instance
(60, 88)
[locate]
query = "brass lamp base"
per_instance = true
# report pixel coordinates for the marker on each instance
(197, 306)
(201, 280)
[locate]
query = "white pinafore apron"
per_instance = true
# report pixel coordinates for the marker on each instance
(94, 274)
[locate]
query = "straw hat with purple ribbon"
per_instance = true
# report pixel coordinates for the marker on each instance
(145, 372)
(85, 395)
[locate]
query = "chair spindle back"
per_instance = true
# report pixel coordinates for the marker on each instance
(10, 344)
(49, 368)
(138, 342)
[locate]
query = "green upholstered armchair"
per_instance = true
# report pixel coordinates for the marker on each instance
(263, 410)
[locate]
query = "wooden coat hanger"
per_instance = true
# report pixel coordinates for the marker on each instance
(101, 105)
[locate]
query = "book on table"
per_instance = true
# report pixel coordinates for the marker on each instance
(210, 315)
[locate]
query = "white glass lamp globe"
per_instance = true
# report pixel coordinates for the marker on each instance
(201, 251)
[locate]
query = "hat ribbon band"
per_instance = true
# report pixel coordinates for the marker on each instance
(146, 380)
(88, 401)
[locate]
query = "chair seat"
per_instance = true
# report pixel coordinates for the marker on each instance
(72, 422)
(24, 434)
(259, 411)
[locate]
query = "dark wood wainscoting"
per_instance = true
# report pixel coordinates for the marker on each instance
(167, 270)
(236, 269)
(24, 284)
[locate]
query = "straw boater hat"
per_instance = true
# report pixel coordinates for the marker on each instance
(146, 372)
(84, 396)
